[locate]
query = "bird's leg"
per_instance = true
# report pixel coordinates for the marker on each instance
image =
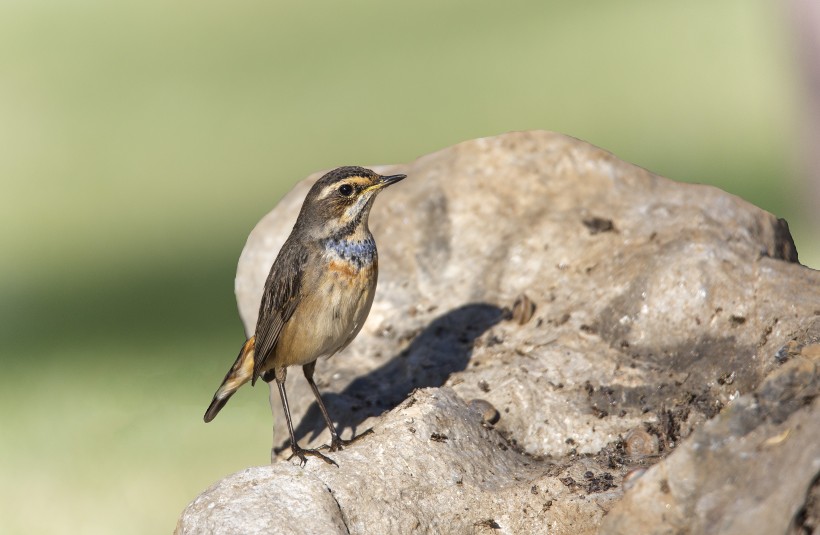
(336, 443)
(280, 375)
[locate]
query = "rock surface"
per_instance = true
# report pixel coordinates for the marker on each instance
(561, 342)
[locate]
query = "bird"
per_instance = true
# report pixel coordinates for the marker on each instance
(317, 295)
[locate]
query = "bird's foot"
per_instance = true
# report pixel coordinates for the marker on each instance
(303, 454)
(337, 443)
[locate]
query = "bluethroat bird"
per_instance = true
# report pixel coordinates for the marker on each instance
(318, 292)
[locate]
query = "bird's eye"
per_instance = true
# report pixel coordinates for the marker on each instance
(346, 190)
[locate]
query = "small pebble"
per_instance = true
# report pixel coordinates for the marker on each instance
(639, 443)
(523, 309)
(489, 414)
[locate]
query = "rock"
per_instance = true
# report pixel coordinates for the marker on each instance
(749, 470)
(663, 308)
(247, 502)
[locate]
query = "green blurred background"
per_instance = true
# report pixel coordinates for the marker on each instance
(141, 141)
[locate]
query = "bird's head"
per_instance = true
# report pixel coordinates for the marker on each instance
(339, 203)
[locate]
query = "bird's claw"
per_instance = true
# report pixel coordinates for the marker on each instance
(337, 443)
(303, 454)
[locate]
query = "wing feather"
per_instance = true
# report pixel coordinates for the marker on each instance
(279, 300)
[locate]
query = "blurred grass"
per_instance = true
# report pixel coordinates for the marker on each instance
(140, 142)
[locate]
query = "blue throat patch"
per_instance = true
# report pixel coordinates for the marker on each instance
(360, 253)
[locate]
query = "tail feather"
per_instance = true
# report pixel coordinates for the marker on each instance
(239, 374)
(216, 406)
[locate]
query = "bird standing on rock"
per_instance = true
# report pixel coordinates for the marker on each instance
(317, 295)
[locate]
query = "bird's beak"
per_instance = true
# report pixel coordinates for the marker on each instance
(392, 179)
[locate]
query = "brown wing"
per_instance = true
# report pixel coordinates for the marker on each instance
(279, 299)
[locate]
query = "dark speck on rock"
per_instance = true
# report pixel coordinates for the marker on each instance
(727, 378)
(568, 481)
(599, 224)
(487, 523)
(562, 320)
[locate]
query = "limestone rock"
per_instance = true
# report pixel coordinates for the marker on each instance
(587, 301)
(280, 498)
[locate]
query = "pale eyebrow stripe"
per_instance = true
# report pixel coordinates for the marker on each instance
(354, 181)
(327, 190)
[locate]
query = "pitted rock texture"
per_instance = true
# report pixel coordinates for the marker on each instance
(662, 311)
(749, 470)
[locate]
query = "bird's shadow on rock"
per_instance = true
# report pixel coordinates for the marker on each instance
(442, 348)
